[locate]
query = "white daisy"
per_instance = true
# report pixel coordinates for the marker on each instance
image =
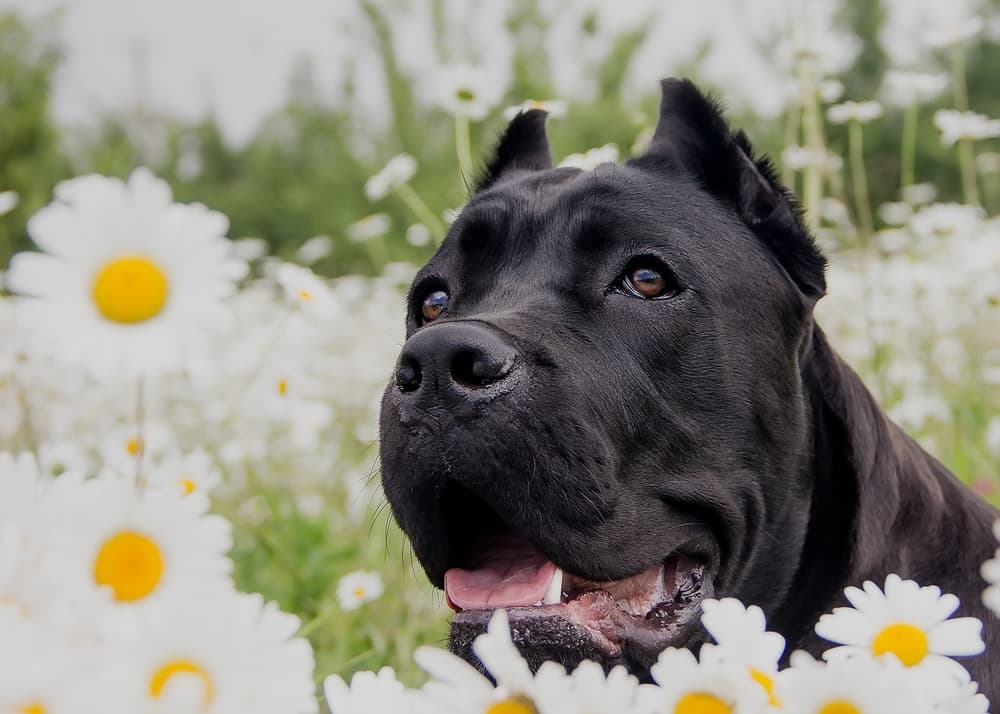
(801, 157)
(919, 193)
(369, 227)
(590, 691)
(314, 249)
(184, 474)
(555, 108)
(457, 686)
(991, 568)
(21, 484)
(33, 584)
(138, 549)
(418, 235)
(688, 686)
(904, 88)
(895, 213)
(464, 90)
(955, 33)
(854, 111)
(956, 125)
(8, 202)
(743, 640)
(125, 448)
(250, 249)
(397, 171)
(908, 621)
(43, 673)
(359, 588)
(944, 220)
(306, 290)
(964, 698)
(848, 686)
(232, 654)
(371, 693)
(592, 158)
(128, 281)
(988, 162)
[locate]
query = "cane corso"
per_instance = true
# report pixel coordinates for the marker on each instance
(614, 402)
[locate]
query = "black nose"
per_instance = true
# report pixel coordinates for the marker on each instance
(454, 356)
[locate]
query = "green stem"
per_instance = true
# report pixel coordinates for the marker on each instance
(908, 151)
(813, 189)
(859, 180)
(792, 123)
(375, 247)
(420, 209)
(959, 87)
(321, 617)
(966, 158)
(463, 146)
(967, 161)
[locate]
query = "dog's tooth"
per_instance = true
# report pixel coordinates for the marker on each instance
(553, 595)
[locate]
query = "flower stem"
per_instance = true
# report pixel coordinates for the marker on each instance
(966, 156)
(463, 146)
(324, 613)
(792, 123)
(813, 188)
(859, 180)
(959, 87)
(908, 152)
(420, 209)
(967, 161)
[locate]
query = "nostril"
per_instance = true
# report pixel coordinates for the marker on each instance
(408, 375)
(474, 368)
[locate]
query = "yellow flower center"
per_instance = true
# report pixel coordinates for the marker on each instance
(181, 668)
(188, 485)
(135, 446)
(465, 94)
(130, 290)
(908, 642)
(305, 295)
(282, 387)
(767, 682)
(701, 703)
(33, 708)
(514, 705)
(839, 707)
(131, 564)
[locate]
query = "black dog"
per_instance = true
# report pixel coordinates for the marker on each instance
(613, 402)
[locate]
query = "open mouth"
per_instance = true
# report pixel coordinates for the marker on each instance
(631, 619)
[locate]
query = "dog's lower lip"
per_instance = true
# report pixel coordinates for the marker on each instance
(648, 611)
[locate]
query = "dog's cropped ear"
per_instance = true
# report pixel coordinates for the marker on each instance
(691, 136)
(523, 147)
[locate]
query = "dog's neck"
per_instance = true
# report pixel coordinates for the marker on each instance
(880, 504)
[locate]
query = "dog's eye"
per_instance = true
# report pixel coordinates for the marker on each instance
(648, 280)
(433, 305)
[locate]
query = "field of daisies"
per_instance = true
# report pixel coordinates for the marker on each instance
(196, 336)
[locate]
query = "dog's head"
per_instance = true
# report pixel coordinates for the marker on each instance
(598, 417)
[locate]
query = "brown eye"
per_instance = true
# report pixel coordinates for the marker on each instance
(648, 282)
(434, 304)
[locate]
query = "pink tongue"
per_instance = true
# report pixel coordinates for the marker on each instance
(511, 573)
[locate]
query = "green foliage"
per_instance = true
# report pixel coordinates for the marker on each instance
(31, 161)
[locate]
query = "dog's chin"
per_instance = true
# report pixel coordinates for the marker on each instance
(626, 622)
